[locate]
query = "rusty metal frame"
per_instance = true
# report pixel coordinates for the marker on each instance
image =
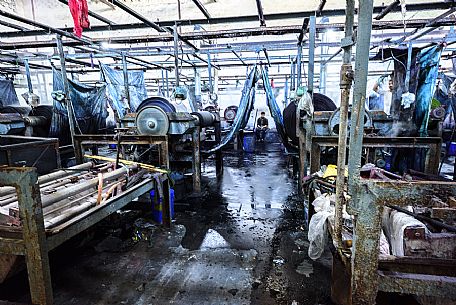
(366, 280)
(34, 242)
(30, 142)
(83, 140)
(432, 156)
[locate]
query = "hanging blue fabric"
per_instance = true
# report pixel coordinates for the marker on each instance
(429, 67)
(276, 113)
(89, 106)
(244, 110)
(8, 95)
(116, 89)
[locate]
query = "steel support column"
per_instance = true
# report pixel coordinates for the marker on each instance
(299, 66)
(312, 32)
(176, 55)
(346, 78)
(359, 89)
(66, 88)
(364, 264)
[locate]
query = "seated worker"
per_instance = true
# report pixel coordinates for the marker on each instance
(262, 127)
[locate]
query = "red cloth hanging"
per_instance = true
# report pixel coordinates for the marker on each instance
(80, 13)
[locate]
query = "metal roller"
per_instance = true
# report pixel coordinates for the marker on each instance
(152, 121)
(152, 118)
(205, 118)
(157, 101)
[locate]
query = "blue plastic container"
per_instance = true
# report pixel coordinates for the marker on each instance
(157, 209)
(452, 149)
(249, 142)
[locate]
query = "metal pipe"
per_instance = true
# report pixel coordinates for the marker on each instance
(202, 9)
(387, 9)
(167, 83)
(260, 13)
(176, 55)
(299, 66)
(209, 69)
(312, 32)
(138, 16)
(292, 76)
(66, 86)
(13, 26)
(125, 75)
(359, 92)
(48, 200)
(346, 78)
(320, 7)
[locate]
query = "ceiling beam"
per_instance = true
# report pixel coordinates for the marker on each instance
(202, 8)
(260, 13)
(320, 8)
(430, 6)
(92, 14)
(138, 16)
(387, 9)
(13, 26)
(43, 26)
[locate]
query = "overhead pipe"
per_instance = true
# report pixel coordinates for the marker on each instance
(13, 26)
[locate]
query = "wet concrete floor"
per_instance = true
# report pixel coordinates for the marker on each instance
(243, 241)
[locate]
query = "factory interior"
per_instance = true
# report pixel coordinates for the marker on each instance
(185, 152)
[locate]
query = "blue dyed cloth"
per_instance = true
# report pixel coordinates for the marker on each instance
(244, 110)
(276, 113)
(89, 107)
(116, 89)
(8, 95)
(429, 68)
(376, 101)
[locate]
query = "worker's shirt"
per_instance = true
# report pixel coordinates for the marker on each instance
(262, 122)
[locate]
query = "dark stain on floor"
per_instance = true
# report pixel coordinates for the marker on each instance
(243, 241)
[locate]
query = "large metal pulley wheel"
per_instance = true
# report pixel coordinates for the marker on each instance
(152, 121)
(334, 121)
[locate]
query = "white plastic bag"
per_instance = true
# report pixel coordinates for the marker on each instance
(317, 234)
